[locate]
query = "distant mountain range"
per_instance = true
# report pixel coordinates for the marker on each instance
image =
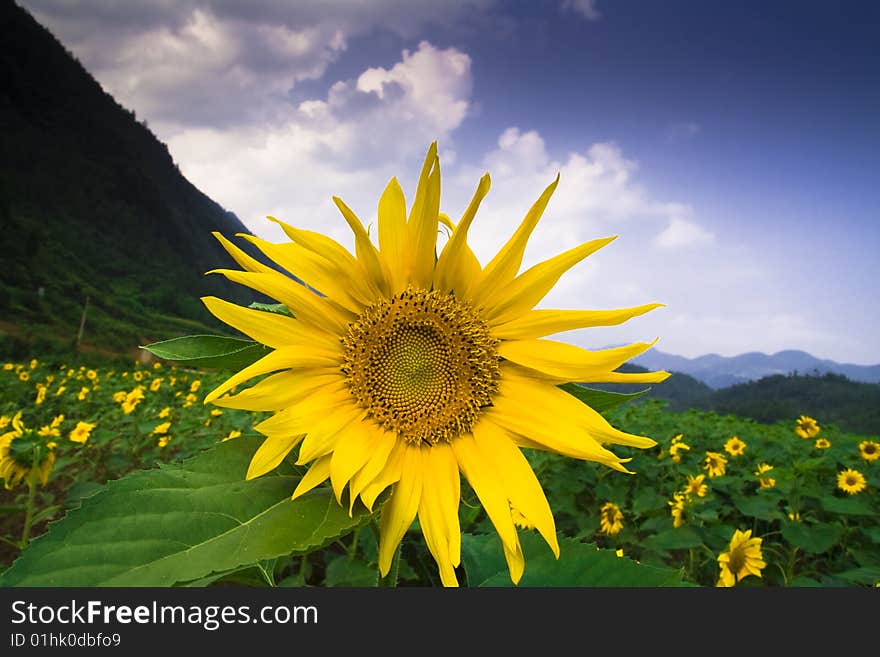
(721, 371)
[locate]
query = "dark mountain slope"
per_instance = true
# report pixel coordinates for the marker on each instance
(92, 205)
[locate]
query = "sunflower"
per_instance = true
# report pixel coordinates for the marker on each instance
(869, 450)
(24, 454)
(678, 445)
(822, 443)
(715, 464)
(412, 366)
(82, 431)
(851, 481)
(806, 427)
(735, 447)
(696, 485)
(610, 519)
(677, 508)
(765, 480)
(743, 558)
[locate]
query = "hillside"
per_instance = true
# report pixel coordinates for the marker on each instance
(722, 371)
(830, 398)
(93, 208)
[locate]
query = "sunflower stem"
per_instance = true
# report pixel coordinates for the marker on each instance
(28, 513)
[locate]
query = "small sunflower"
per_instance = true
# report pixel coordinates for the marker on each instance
(697, 485)
(734, 446)
(763, 479)
(869, 450)
(678, 445)
(715, 464)
(610, 519)
(806, 427)
(851, 481)
(24, 454)
(415, 365)
(742, 558)
(81, 432)
(677, 508)
(822, 443)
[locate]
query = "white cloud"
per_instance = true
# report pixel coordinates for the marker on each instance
(586, 8)
(681, 233)
(349, 143)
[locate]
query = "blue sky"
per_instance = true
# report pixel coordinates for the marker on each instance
(733, 146)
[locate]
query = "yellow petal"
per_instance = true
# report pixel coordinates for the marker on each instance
(530, 287)
(438, 510)
(304, 304)
(375, 465)
(351, 453)
(367, 254)
(317, 475)
(538, 323)
(316, 272)
(278, 391)
(486, 483)
(502, 269)
(390, 474)
(270, 329)
(522, 485)
(284, 358)
(567, 361)
(552, 433)
(270, 454)
(423, 221)
(244, 261)
(323, 246)
(314, 404)
(457, 266)
(516, 562)
(399, 512)
(393, 245)
(558, 403)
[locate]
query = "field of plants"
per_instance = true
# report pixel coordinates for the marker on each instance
(797, 498)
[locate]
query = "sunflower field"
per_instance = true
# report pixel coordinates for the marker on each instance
(123, 476)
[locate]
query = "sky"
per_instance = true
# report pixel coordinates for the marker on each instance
(734, 147)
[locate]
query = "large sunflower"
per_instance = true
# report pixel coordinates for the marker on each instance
(411, 366)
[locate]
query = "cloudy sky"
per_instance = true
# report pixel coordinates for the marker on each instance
(733, 146)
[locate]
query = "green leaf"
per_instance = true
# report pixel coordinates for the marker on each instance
(350, 571)
(648, 500)
(814, 539)
(579, 564)
(867, 575)
(182, 522)
(851, 506)
(600, 400)
(677, 538)
(209, 351)
(277, 308)
(761, 507)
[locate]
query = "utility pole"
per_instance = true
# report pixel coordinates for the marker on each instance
(82, 323)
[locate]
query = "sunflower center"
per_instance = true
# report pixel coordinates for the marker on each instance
(422, 364)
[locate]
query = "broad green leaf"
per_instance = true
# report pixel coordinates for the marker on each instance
(852, 506)
(579, 564)
(814, 539)
(182, 522)
(867, 575)
(805, 582)
(757, 506)
(678, 538)
(277, 308)
(873, 532)
(350, 571)
(209, 351)
(600, 400)
(647, 500)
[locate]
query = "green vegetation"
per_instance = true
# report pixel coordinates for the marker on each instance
(813, 532)
(93, 208)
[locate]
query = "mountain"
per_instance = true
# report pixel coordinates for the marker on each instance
(97, 218)
(720, 371)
